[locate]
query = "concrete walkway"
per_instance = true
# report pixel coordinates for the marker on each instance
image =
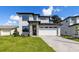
(61, 44)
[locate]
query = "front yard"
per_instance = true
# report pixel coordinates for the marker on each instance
(23, 44)
(71, 38)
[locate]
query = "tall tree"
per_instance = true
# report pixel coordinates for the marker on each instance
(56, 19)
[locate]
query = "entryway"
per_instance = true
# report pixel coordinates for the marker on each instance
(34, 29)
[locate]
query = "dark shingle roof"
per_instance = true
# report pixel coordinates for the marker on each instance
(70, 17)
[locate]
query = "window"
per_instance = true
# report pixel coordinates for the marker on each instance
(34, 17)
(66, 20)
(73, 20)
(25, 18)
(46, 27)
(41, 27)
(25, 28)
(42, 18)
(50, 27)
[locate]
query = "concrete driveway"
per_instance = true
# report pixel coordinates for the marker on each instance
(61, 44)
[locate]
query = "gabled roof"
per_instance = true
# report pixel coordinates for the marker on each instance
(70, 17)
(67, 18)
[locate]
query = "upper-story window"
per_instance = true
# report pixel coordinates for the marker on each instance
(73, 20)
(66, 20)
(34, 17)
(42, 18)
(25, 18)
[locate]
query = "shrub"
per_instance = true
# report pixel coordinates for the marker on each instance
(16, 33)
(25, 35)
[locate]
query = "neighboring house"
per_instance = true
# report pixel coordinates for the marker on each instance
(70, 26)
(6, 30)
(36, 25)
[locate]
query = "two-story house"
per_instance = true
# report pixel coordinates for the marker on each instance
(36, 25)
(70, 26)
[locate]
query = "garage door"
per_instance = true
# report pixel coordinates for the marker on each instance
(44, 31)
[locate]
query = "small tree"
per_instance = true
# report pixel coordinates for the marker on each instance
(16, 33)
(56, 19)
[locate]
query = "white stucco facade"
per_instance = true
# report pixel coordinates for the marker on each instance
(44, 20)
(41, 24)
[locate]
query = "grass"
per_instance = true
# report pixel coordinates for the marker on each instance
(66, 36)
(23, 44)
(71, 38)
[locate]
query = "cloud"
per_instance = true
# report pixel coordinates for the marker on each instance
(9, 22)
(49, 11)
(14, 17)
(13, 20)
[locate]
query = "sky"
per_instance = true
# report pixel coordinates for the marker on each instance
(8, 13)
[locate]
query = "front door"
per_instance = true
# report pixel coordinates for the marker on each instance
(34, 30)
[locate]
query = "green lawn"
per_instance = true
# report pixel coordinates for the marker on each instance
(23, 44)
(71, 38)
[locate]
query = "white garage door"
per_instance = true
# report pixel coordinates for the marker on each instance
(44, 31)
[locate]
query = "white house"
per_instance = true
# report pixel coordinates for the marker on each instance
(36, 25)
(6, 30)
(70, 26)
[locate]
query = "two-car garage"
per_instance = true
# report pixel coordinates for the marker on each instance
(49, 30)
(52, 31)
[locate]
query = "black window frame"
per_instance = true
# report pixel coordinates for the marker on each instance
(34, 17)
(50, 27)
(46, 27)
(25, 18)
(26, 29)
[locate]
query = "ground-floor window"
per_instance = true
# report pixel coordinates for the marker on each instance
(25, 28)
